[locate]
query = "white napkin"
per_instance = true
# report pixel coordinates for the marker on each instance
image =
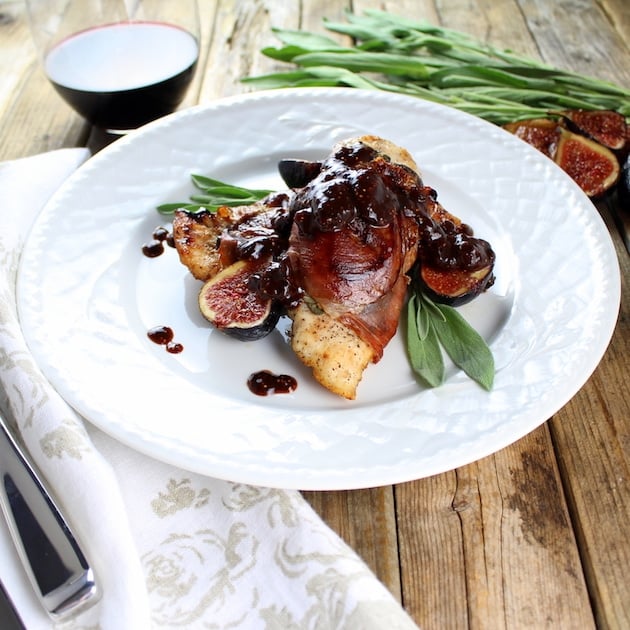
(170, 548)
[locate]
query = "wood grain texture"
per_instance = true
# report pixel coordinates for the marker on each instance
(592, 444)
(496, 537)
(577, 35)
(366, 520)
(33, 117)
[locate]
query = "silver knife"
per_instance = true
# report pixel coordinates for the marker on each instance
(54, 562)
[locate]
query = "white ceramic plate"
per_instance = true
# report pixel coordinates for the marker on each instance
(88, 296)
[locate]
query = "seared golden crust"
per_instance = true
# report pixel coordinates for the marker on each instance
(335, 354)
(196, 236)
(397, 154)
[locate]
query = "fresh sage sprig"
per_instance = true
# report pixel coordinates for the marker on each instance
(396, 54)
(432, 327)
(423, 347)
(213, 194)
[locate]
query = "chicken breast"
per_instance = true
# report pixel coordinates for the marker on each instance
(339, 247)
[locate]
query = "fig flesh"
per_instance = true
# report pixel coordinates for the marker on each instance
(604, 126)
(541, 133)
(454, 287)
(594, 167)
(227, 302)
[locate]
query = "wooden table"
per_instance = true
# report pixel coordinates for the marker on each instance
(536, 535)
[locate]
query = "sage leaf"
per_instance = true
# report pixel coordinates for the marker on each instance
(432, 308)
(422, 319)
(214, 193)
(425, 355)
(466, 347)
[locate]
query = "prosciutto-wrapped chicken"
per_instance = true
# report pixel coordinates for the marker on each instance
(333, 252)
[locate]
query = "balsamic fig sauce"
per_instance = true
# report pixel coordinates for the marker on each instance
(155, 247)
(164, 336)
(357, 188)
(265, 382)
(358, 185)
(262, 383)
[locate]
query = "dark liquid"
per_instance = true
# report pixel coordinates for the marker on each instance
(128, 84)
(129, 109)
(163, 336)
(264, 383)
(155, 247)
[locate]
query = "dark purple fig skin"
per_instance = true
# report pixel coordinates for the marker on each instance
(475, 282)
(624, 185)
(227, 303)
(298, 173)
(256, 331)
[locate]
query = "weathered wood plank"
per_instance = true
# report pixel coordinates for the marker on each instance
(430, 544)
(594, 455)
(18, 53)
(577, 35)
(239, 32)
(27, 100)
(592, 436)
(366, 520)
(490, 545)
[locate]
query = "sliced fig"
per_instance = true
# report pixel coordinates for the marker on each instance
(541, 133)
(604, 126)
(298, 173)
(227, 301)
(592, 166)
(454, 287)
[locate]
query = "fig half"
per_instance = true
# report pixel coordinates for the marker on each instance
(604, 126)
(454, 287)
(591, 165)
(228, 302)
(541, 133)
(594, 167)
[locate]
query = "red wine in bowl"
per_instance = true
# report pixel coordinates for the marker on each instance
(121, 76)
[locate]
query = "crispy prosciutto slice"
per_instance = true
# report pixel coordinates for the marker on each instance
(355, 236)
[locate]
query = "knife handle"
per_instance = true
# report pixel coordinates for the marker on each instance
(54, 562)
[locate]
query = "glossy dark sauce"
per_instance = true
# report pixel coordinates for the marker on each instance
(356, 189)
(264, 382)
(164, 336)
(359, 186)
(160, 237)
(359, 189)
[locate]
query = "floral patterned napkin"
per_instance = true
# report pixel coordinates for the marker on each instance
(170, 549)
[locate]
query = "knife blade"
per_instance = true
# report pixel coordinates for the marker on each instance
(54, 562)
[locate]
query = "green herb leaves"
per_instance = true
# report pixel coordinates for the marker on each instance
(423, 347)
(431, 327)
(396, 54)
(213, 194)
